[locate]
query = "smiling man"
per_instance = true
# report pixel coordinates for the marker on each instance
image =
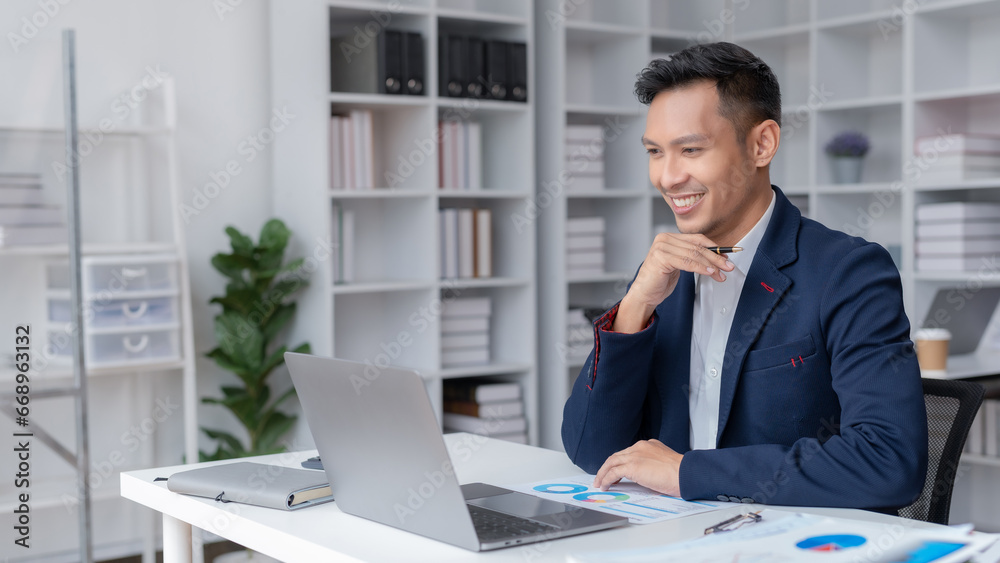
(782, 373)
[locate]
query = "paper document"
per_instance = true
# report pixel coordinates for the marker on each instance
(789, 537)
(639, 504)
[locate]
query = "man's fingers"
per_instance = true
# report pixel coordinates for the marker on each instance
(612, 476)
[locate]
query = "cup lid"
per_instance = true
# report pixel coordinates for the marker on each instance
(933, 334)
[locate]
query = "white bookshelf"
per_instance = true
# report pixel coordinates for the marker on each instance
(857, 64)
(397, 242)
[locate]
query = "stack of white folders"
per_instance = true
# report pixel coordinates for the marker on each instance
(958, 157)
(24, 217)
(465, 331)
(585, 157)
(957, 236)
(584, 246)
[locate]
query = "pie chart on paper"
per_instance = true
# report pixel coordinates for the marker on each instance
(831, 543)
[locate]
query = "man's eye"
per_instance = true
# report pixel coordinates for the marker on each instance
(652, 151)
(690, 150)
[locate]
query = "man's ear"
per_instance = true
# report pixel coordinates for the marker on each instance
(764, 140)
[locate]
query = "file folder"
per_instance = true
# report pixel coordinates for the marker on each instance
(413, 64)
(496, 69)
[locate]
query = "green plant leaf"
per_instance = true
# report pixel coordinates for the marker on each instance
(293, 265)
(274, 236)
(284, 396)
(283, 288)
(275, 425)
(224, 362)
(240, 340)
(240, 299)
(274, 360)
(279, 317)
(232, 266)
(225, 439)
(241, 243)
(303, 348)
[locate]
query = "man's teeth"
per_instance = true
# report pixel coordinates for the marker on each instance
(687, 201)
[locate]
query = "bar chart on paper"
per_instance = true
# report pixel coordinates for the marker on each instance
(639, 504)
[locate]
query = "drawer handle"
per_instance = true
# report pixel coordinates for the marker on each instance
(138, 312)
(132, 273)
(135, 348)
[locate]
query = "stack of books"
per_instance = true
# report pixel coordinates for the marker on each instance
(579, 335)
(956, 236)
(485, 408)
(584, 246)
(984, 435)
(460, 155)
(24, 217)
(465, 331)
(585, 157)
(959, 157)
(352, 149)
(466, 243)
(342, 241)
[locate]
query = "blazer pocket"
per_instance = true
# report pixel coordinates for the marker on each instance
(780, 355)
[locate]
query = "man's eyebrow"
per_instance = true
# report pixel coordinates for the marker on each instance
(646, 141)
(689, 139)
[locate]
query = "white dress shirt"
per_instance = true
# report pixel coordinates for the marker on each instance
(714, 306)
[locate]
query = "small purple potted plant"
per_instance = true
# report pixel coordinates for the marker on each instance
(847, 151)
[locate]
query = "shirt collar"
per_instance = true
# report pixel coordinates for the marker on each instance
(751, 240)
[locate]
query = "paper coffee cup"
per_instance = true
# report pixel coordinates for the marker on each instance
(932, 349)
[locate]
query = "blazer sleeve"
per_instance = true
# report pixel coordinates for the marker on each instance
(878, 456)
(605, 409)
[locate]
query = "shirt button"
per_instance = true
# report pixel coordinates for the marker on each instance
(723, 498)
(734, 499)
(713, 372)
(747, 500)
(723, 310)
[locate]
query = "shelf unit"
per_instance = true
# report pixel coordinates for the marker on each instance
(895, 73)
(128, 177)
(397, 293)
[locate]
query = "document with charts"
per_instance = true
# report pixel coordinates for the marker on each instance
(639, 504)
(788, 537)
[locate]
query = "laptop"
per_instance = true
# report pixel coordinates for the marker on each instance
(965, 313)
(386, 460)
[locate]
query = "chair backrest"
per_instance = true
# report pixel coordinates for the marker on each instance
(951, 408)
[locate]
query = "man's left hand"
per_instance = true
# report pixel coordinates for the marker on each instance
(648, 463)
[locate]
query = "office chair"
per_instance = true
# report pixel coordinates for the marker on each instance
(951, 407)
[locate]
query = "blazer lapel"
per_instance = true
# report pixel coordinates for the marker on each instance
(764, 287)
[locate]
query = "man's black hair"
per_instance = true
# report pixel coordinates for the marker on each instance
(748, 90)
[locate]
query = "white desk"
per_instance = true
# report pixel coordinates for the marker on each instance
(324, 533)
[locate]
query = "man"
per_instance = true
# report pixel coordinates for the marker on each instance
(780, 374)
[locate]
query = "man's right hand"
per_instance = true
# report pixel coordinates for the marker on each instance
(669, 255)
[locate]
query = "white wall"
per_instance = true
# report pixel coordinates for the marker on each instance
(220, 65)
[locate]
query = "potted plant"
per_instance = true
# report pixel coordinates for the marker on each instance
(255, 308)
(847, 151)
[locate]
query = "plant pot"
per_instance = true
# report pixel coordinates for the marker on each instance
(847, 169)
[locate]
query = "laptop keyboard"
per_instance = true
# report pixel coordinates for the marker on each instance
(491, 525)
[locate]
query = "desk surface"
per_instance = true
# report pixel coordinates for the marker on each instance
(324, 533)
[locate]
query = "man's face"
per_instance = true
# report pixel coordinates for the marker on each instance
(697, 163)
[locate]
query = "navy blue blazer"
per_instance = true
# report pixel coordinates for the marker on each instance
(821, 401)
